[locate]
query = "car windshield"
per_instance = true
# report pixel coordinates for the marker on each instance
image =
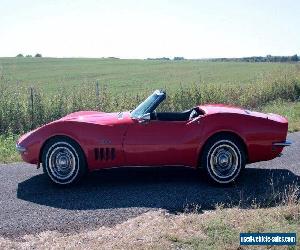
(149, 105)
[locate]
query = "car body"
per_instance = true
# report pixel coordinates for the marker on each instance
(145, 137)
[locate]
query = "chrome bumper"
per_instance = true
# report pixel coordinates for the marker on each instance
(282, 144)
(20, 149)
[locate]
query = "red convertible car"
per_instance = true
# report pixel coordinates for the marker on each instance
(218, 138)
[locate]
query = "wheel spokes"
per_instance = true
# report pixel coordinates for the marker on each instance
(224, 161)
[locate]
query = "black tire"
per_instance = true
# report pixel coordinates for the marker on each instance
(63, 161)
(223, 159)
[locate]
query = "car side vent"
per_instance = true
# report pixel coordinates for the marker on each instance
(104, 154)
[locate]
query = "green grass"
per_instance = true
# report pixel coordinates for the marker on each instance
(51, 74)
(17, 115)
(8, 151)
(291, 110)
(221, 229)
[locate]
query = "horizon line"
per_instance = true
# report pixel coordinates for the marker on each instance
(147, 58)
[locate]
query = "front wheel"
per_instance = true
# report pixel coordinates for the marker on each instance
(223, 159)
(63, 161)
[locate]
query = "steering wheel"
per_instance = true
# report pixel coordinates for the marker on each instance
(193, 114)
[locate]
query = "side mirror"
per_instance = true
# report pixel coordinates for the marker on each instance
(144, 118)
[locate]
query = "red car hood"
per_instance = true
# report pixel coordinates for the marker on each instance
(100, 118)
(222, 108)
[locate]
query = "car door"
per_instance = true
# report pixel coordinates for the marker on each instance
(160, 143)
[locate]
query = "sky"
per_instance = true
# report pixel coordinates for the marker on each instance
(153, 28)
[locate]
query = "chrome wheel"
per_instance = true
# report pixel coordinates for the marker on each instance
(224, 161)
(62, 162)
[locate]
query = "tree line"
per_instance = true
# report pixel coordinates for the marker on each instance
(36, 55)
(268, 58)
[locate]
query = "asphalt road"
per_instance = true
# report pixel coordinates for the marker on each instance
(30, 203)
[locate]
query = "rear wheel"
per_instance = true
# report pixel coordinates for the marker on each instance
(223, 159)
(63, 161)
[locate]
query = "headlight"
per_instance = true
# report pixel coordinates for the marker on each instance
(20, 149)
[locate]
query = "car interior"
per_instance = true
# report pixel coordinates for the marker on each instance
(176, 116)
(149, 105)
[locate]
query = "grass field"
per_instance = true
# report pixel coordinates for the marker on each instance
(291, 110)
(134, 76)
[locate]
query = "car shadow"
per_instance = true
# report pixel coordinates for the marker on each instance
(174, 189)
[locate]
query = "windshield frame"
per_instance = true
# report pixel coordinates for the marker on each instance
(149, 104)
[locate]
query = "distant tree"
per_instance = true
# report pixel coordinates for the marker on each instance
(38, 55)
(20, 55)
(176, 58)
(28, 55)
(159, 58)
(268, 58)
(294, 58)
